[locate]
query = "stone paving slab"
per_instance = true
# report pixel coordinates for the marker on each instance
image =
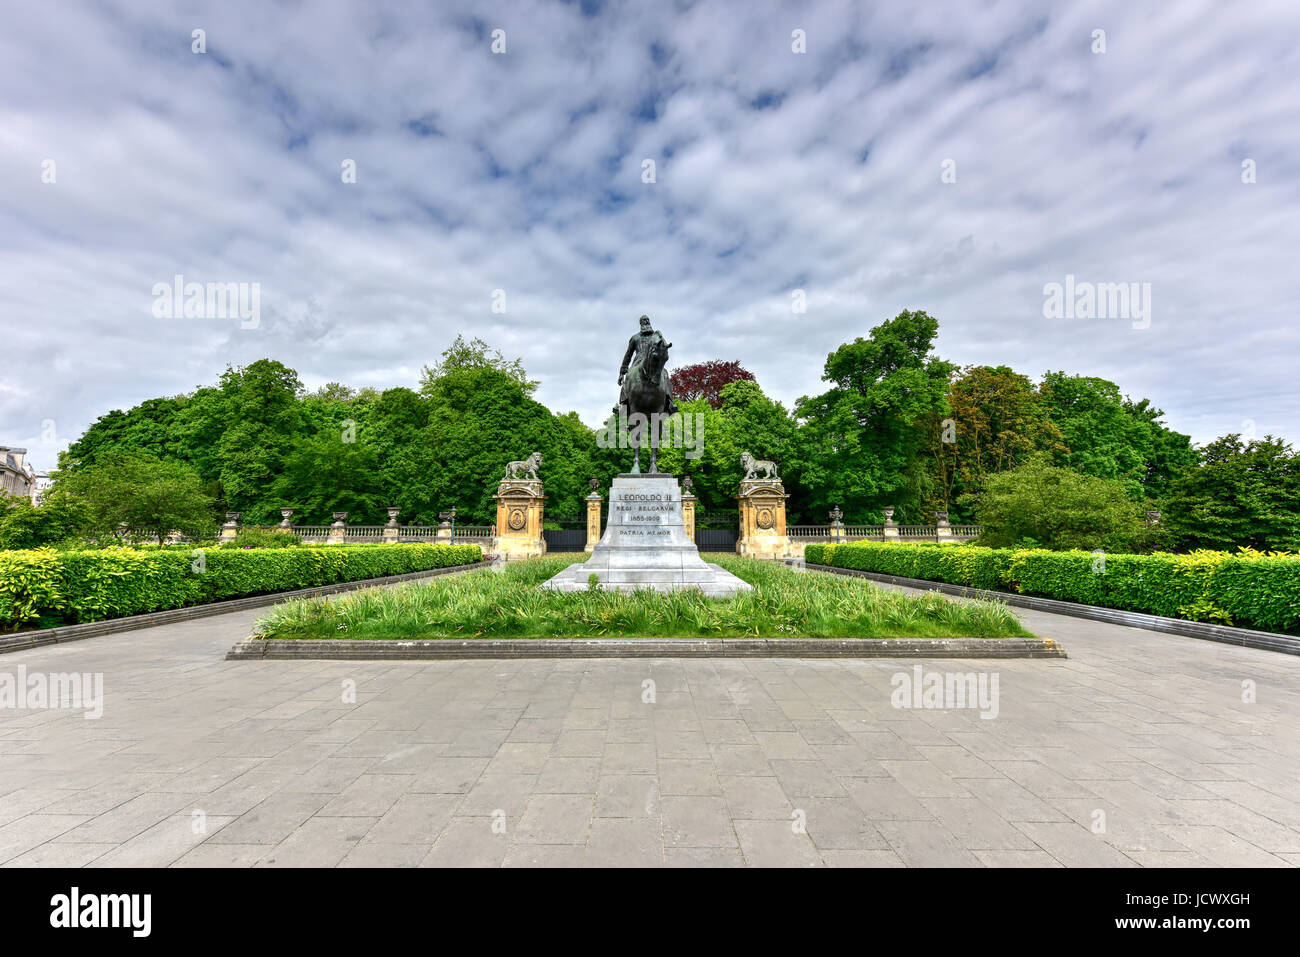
(1141, 749)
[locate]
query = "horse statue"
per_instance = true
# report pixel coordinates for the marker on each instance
(753, 466)
(530, 465)
(644, 389)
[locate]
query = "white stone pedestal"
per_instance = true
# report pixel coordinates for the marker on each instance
(645, 545)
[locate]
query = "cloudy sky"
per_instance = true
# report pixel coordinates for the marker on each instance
(524, 171)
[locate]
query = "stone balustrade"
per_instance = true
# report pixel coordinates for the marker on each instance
(488, 535)
(876, 533)
(362, 534)
(417, 532)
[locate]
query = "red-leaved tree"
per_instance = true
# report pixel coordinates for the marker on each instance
(706, 380)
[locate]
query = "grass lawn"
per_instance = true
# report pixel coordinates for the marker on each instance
(506, 603)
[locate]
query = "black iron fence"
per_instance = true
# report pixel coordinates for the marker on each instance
(567, 533)
(565, 539)
(729, 519)
(716, 539)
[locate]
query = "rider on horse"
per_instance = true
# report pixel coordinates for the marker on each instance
(639, 346)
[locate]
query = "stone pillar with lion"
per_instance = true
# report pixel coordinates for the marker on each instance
(520, 509)
(762, 511)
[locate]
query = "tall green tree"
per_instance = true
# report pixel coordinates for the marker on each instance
(1166, 454)
(481, 416)
(1110, 436)
(859, 442)
(1039, 504)
(24, 525)
(751, 422)
(264, 421)
(756, 423)
(326, 473)
(462, 360)
(392, 425)
(995, 421)
(200, 423)
(152, 427)
(712, 463)
(1242, 493)
(137, 496)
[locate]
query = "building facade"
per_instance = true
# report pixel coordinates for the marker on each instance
(40, 486)
(17, 478)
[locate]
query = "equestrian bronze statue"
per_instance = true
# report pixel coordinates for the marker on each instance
(645, 389)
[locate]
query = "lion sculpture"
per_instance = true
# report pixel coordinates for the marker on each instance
(530, 465)
(753, 466)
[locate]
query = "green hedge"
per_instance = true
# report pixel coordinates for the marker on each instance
(59, 587)
(1249, 589)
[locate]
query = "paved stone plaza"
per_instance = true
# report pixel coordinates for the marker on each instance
(202, 762)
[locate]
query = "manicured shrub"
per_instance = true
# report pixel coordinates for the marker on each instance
(49, 586)
(1258, 587)
(109, 583)
(964, 565)
(30, 584)
(1250, 589)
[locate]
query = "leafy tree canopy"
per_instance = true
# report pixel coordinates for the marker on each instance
(136, 496)
(896, 426)
(24, 525)
(996, 420)
(706, 380)
(1039, 504)
(462, 361)
(859, 440)
(1110, 436)
(1241, 493)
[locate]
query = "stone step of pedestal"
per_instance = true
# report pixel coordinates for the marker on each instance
(645, 545)
(577, 577)
(709, 574)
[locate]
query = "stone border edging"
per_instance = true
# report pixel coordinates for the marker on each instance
(22, 640)
(1226, 634)
(426, 649)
